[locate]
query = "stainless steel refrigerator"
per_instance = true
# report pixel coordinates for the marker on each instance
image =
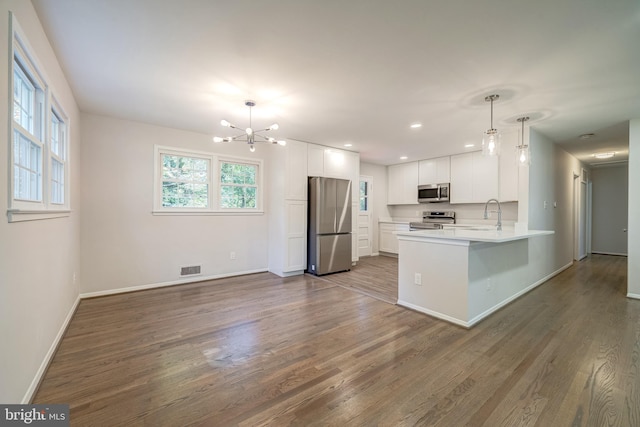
(329, 237)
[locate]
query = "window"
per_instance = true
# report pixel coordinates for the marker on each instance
(185, 181)
(27, 133)
(193, 182)
(238, 185)
(364, 196)
(39, 149)
(58, 156)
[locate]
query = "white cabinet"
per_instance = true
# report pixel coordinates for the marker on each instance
(434, 171)
(388, 240)
(296, 236)
(509, 168)
(287, 207)
(474, 178)
(296, 171)
(402, 184)
(315, 160)
(340, 163)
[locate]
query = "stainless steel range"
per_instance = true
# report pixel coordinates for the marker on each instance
(434, 220)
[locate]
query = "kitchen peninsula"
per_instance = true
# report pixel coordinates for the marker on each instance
(462, 275)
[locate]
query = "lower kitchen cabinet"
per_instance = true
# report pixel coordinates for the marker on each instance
(388, 240)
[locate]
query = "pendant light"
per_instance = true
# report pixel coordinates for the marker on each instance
(491, 137)
(523, 152)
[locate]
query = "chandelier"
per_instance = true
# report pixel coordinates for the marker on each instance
(491, 137)
(249, 135)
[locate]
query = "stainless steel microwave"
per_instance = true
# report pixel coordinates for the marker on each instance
(433, 193)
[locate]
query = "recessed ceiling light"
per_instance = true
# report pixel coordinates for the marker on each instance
(469, 145)
(403, 157)
(604, 155)
(348, 145)
(587, 135)
(416, 125)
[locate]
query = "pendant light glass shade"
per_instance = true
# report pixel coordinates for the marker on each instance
(491, 143)
(491, 138)
(523, 154)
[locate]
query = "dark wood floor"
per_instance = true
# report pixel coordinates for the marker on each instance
(261, 350)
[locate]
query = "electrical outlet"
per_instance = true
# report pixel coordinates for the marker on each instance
(545, 204)
(489, 285)
(75, 277)
(417, 279)
(232, 255)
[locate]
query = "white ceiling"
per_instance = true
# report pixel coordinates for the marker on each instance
(359, 71)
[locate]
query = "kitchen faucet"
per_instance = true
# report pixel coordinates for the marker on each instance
(486, 214)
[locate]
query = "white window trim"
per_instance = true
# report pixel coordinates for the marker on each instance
(26, 210)
(214, 183)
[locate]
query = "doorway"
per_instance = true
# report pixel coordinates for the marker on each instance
(365, 231)
(580, 215)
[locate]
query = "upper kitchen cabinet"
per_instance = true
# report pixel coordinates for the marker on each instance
(509, 168)
(474, 178)
(315, 160)
(340, 163)
(332, 162)
(434, 171)
(402, 184)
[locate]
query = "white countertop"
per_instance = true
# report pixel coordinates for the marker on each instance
(388, 220)
(471, 235)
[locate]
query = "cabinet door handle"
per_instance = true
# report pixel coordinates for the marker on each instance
(624, 230)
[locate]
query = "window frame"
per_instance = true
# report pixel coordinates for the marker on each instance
(23, 62)
(214, 182)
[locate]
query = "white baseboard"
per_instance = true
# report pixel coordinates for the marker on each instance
(437, 314)
(608, 253)
(47, 358)
(478, 318)
(191, 279)
(634, 296)
(517, 295)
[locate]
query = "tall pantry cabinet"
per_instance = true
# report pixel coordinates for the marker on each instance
(287, 209)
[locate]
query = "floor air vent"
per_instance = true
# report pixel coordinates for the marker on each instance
(190, 271)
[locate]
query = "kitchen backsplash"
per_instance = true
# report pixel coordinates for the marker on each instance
(463, 212)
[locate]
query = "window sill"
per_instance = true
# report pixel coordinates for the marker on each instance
(20, 215)
(208, 213)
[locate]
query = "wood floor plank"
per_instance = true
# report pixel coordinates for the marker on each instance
(263, 350)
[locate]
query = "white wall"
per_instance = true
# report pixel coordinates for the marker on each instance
(610, 209)
(379, 194)
(37, 258)
(123, 244)
(633, 277)
(551, 180)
